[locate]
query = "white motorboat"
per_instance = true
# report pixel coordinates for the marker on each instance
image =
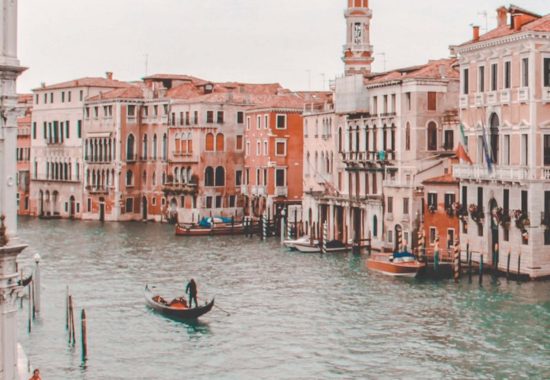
(289, 243)
(308, 247)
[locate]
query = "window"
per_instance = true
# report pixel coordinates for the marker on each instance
(266, 152)
(266, 121)
(525, 72)
(218, 201)
(507, 74)
(220, 177)
(231, 201)
(432, 101)
(280, 180)
(240, 117)
(258, 122)
(408, 98)
(248, 123)
(34, 130)
(546, 150)
(407, 137)
(449, 200)
(247, 150)
(281, 121)
(524, 202)
(67, 129)
(196, 117)
(405, 206)
(465, 81)
(238, 178)
(432, 201)
(239, 142)
(432, 136)
(81, 95)
(280, 148)
(209, 176)
(130, 148)
(524, 149)
(220, 117)
(258, 148)
(220, 142)
(209, 142)
(450, 238)
(506, 150)
(208, 202)
(449, 140)
(547, 217)
(375, 226)
(79, 129)
(129, 178)
(187, 118)
(69, 96)
(89, 204)
(494, 77)
(546, 72)
(481, 79)
(62, 96)
(209, 116)
(390, 205)
(433, 235)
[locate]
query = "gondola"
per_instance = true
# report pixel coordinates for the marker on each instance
(175, 309)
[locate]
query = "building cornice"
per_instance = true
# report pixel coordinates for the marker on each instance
(515, 37)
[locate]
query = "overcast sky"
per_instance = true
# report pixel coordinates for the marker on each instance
(294, 42)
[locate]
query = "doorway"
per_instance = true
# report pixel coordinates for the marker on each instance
(144, 208)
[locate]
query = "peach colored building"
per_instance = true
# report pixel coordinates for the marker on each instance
(23, 153)
(505, 110)
(56, 154)
(273, 169)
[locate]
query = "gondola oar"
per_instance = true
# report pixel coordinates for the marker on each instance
(225, 311)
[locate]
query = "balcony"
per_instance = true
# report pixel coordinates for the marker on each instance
(523, 94)
(505, 96)
(463, 101)
(546, 94)
(176, 188)
(244, 189)
(258, 191)
(388, 114)
(131, 158)
(98, 160)
(492, 98)
(500, 173)
(97, 190)
(479, 99)
(184, 157)
(281, 191)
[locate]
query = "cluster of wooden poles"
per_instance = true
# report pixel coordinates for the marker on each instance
(70, 325)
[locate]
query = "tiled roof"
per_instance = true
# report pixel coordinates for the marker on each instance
(541, 24)
(85, 82)
(24, 98)
(442, 180)
(134, 92)
(431, 70)
(180, 77)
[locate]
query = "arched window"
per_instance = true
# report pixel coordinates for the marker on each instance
(408, 137)
(144, 148)
(493, 133)
(375, 226)
(209, 176)
(220, 176)
(164, 147)
(130, 148)
(155, 147)
(144, 178)
(129, 178)
(432, 136)
(209, 142)
(176, 175)
(220, 142)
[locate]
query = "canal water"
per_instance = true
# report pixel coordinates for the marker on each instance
(292, 315)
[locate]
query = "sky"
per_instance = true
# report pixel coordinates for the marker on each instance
(297, 43)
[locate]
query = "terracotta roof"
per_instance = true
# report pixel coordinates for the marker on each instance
(134, 92)
(541, 24)
(24, 98)
(442, 180)
(223, 92)
(431, 70)
(180, 77)
(85, 82)
(291, 100)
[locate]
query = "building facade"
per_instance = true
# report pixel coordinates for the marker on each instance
(505, 110)
(23, 153)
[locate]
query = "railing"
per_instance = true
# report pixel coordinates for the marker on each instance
(523, 94)
(492, 98)
(479, 99)
(244, 189)
(258, 190)
(382, 155)
(131, 157)
(281, 191)
(505, 96)
(501, 173)
(463, 101)
(180, 187)
(388, 114)
(97, 160)
(97, 189)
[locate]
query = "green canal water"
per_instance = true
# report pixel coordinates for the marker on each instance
(292, 315)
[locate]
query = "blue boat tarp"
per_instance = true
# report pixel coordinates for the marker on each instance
(399, 255)
(207, 221)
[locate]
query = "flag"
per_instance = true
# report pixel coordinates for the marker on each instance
(488, 158)
(463, 135)
(462, 155)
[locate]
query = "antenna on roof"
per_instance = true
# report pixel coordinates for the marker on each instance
(484, 14)
(146, 64)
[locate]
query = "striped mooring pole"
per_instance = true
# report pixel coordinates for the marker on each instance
(264, 227)
(325, 237)
(289, 227)
(457, 261)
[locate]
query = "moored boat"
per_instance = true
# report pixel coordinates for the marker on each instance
(308, 246)
(177, 308)
(216, 229)
(290, 243)
(336, 246)
(402, 264)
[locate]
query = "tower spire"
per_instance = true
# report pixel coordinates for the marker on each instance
(358, 51)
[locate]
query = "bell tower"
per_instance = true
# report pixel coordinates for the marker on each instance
(358, 55)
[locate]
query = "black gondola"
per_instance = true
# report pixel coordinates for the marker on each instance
(175, 310)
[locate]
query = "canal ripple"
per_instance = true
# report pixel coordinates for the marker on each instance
(292, 316)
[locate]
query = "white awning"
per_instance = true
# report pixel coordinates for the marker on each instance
(92, 135)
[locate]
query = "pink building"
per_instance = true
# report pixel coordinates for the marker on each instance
(505, 110)
(23, 152)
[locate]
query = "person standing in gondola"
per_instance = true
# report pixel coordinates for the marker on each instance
(191, 289)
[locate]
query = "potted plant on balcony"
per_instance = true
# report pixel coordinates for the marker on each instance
(521, 219)
(476, 213)
(432, 208)
(503, 217)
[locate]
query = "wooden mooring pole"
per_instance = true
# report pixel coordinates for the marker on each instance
(519, 266)
(508, 266)
(84, 336)
(480, 269)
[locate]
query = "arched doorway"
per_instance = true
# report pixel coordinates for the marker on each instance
(398, 237)
(144, 208)
(494, 235)
(101, 209)
(41, 203)
(493, 137)
(71, 207)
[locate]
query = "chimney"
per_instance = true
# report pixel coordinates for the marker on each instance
(109, 75)
(475, 29)
(502, 14)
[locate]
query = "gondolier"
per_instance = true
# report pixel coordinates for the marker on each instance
(191, 289)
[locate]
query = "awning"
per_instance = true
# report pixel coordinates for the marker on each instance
(92, 135)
